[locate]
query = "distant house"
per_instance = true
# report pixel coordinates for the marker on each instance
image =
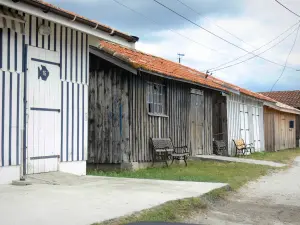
(280, 126)
(291, 98)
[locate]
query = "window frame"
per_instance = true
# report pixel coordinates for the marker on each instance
(291, 124)
(156, 98)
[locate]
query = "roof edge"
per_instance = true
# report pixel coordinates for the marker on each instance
(291, 110)
(46, 7)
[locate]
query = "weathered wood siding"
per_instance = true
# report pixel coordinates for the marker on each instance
(278, 135)
(220, 118)
(119, 124)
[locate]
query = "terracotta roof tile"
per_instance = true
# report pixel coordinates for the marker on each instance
(291, 98)
(151, 63)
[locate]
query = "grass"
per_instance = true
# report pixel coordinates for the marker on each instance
(235, 174)
(283, 156)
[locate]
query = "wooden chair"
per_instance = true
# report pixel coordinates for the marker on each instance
(219, 147)
(242, 147)
(164, 149)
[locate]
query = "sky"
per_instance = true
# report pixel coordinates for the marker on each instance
(247, 24)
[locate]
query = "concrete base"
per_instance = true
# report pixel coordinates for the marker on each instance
(9, 173)
(77, 167)
(128, 166)
(21, 182)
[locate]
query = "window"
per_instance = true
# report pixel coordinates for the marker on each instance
(156, 98)
(291, 123)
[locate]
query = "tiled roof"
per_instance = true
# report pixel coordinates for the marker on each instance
(49, 7)
(141, 60)
(291, 98)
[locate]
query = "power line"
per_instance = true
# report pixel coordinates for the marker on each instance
(220, 67)
(153, 21)
(233, 35)
(287, 58)
(214, 33)
(287, 8)
(255, 55)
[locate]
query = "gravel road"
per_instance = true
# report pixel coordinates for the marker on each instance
(273, 199)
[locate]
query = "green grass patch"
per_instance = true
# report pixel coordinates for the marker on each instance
(282, 156)
(171, 211)
(235, 174)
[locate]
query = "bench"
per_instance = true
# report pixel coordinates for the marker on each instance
(242, 147)
(164, 149)
(219, 147)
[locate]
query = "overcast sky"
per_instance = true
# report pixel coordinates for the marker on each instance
(256, 22)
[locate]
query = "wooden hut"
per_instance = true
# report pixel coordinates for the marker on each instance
(280, 126)
(134, 96)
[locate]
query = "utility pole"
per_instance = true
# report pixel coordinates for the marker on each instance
(179, 57)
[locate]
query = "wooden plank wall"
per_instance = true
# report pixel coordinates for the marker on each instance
(269, 126)
(277, 132)
(119, 124)
(220, 118)
(108, 116)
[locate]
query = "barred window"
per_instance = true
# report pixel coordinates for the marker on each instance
(156, 98)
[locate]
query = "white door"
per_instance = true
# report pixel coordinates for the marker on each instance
(256, 134)
(43, 110)
(244, 116)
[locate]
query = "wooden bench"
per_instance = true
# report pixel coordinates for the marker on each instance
(164, 149)
(219, 147)
(242, 147)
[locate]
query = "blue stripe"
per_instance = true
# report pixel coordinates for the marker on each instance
(62, 122)
(71, 56)
(49, 39)
(3, 111)
(67, 125)
(81, 58)
(72, 121)
(1, 42)
(82, 122)
(78, 88)
(24, 109)
(23, 49)
(16, 51)
(18, 118)
(30, 29)
(8, 49)
(76, 56)
(45, 61)
(10, 115)
(66, 54)
(45, 109)
(37, 31)
(43, 37)
(55, 37)
(60, 51)
(86, 60)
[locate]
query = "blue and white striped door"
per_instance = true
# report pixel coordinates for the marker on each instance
(44, 119)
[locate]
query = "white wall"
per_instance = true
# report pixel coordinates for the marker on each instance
(234, 103)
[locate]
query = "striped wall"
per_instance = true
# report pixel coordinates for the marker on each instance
(73, 46)
(234, 120)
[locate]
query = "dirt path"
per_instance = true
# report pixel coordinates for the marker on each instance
(273, 199)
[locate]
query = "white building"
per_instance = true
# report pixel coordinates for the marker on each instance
(44, 87)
